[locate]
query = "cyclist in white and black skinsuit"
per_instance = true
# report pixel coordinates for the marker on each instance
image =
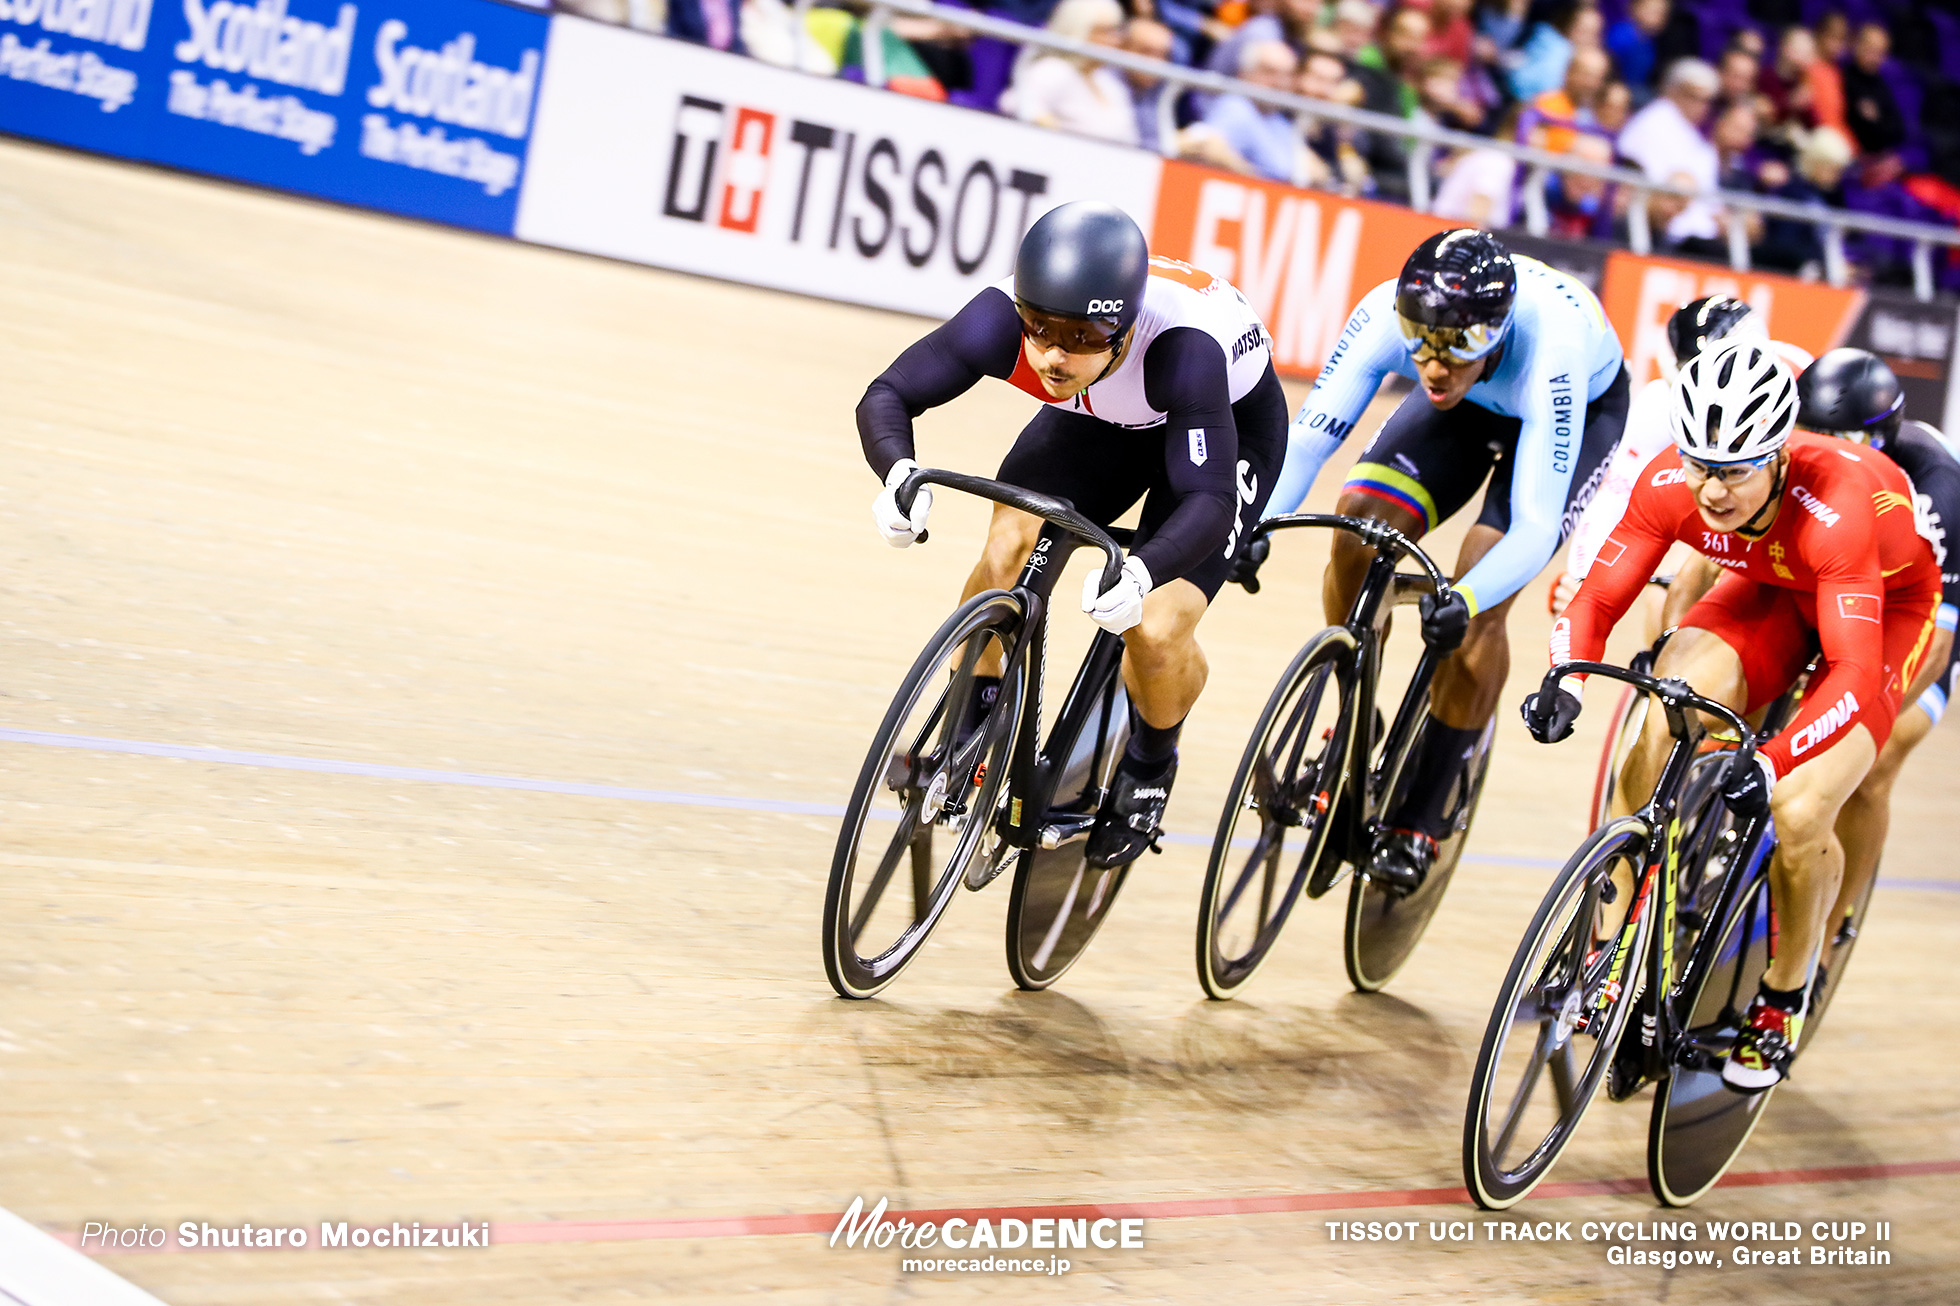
(1157, 383)
(1519, 376)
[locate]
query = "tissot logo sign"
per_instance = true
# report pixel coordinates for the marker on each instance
(870, 195)
(805, 184)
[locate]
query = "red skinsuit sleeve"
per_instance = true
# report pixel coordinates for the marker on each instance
(1625, 563)
(1850, 628)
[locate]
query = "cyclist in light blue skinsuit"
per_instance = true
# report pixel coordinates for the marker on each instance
(1519, 376)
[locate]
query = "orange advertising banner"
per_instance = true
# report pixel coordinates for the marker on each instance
(1640, 293)
(1304, 258)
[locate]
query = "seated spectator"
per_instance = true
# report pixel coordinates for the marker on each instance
(1075, 94)
(1324, 76)
(1478, 184)
(1785, 82)
(1871, 110)
(1789, 245)
(1261, 23)
(1614, 108)
(1397, 54)
(1739, 72)
(1539, 64)
(769, 32)
(1441, 99)
(1151, 40)
(1556, 117)
(1664, 141)
(1833, 35)
(1733, 134)
(1451, 35)
(1350, 35)
(713, 23)
(1631, 40)
(1579, 207)
(1244, 136)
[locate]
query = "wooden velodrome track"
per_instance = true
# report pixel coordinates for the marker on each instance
(298, 482)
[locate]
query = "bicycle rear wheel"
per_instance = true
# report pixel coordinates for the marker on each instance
(934, 787)
(1059, 901)
(1699, 1124)
(1837, 955)
(1290, 775)
(1384, 927)
(1557, 1020)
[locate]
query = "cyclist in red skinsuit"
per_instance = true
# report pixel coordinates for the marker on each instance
(1843, 565)
(1822, 547)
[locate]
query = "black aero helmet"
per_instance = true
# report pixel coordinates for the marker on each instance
(1454, 297)
(1079, 278)
(1700, 322)
(1852, 393)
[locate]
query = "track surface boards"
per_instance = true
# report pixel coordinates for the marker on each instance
(294, 480)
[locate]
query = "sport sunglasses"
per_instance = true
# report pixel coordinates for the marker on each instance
(1450, 344)
(1073, 335)
(1727, 473)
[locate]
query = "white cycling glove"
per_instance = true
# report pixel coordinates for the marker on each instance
(898, 529)
(1121, 608)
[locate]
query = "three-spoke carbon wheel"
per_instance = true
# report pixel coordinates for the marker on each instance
(924, 800)
(1558, 1018)
(1273, 834)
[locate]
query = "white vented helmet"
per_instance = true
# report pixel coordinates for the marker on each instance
(1735, 401)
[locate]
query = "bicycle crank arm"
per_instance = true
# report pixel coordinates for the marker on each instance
(1067, 829)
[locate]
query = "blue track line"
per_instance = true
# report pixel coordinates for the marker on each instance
(623, 793)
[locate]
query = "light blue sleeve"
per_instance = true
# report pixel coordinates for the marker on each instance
(1370, 344)
(1553, 404)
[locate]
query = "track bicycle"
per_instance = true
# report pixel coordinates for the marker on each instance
(1319, 774)
(954, 788)
(1623, 729)
(1684, 955)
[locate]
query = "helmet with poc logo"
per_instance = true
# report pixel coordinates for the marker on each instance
(1851, 393)
(1080, 276)
(1453, 300)
(1735, 401)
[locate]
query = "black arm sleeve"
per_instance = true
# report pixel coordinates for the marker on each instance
(1936, 475)
(982, 339)
(1184, 374)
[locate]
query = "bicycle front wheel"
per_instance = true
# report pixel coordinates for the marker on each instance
(1558, 1018)
(1284, 796)
(924, 800)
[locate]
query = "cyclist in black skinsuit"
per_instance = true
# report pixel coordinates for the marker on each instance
(1156, 383)
(1853, 394)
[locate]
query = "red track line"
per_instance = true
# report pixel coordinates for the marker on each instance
(750, 1226)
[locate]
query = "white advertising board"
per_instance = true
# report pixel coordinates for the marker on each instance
(660, 152)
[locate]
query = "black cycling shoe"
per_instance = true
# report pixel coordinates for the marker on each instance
(1132, 815)
(1402, 860)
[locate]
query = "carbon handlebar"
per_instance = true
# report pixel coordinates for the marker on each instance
(1671, 693)
(1373, 533)
(1058, 511)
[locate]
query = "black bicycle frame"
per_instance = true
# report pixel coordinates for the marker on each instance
(1033, 772)
(1382, 588)
(1662, 1040)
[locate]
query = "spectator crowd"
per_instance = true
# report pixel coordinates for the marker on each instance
(1849, 104)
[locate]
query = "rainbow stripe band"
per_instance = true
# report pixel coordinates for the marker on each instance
(1394, 487)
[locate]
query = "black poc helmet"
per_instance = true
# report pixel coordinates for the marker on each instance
(1079, 277)
(1455, 294)
(1701, 322)
(1852, 393)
